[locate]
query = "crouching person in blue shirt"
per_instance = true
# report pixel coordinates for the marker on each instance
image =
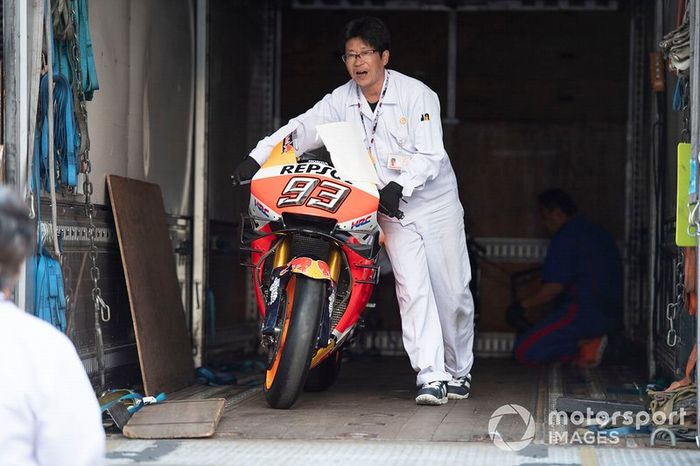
(582, 277)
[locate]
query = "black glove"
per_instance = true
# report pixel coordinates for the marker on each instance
(389, 198)
(245, 170)
(515, 316)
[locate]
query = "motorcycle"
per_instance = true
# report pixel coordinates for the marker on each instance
(313, 240)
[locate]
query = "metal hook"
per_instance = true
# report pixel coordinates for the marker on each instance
(671, 338)
(32, 210)
(663, 430)
(685, 134)
(105, 311)
(670, 306)
(692, 221)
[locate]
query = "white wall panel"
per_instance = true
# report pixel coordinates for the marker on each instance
(108, 111)
(140, 119)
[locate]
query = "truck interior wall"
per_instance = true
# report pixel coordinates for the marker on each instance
(140, 119)
(121, 359)
(240, 87)
(670, 359)
(637, 198)
(140, 126)
(541, 102)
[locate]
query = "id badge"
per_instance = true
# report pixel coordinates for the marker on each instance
(396, 162)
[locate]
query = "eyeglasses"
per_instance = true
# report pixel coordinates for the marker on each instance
(351, 57)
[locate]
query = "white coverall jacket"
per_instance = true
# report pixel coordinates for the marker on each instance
(49, 415)
(427, 248)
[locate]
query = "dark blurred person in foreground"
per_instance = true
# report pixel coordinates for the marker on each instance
(48, 411)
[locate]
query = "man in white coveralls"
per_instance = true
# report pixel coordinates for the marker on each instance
(400, 121)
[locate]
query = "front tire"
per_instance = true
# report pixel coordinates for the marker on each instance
(305, 299)
(323, 376)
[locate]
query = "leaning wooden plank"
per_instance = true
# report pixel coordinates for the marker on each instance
(163, 342)
(176, 419)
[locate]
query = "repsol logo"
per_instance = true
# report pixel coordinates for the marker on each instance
(361, 222)
(309, 168)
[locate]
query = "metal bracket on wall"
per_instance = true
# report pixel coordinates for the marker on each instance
(514, 249)
(179, 228)
(72, 234)
(390, 343)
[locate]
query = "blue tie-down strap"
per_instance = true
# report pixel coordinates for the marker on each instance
(117, 396)
(209, 376)
(61, 62)
(678, 100)
(63, 49)
(87, 57)
(67, 140)
(66, 134)
(50, 298)
(237, 373)
(147, 400)
(132, 398)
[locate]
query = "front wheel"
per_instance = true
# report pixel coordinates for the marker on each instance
(290, 357)
(323, 376)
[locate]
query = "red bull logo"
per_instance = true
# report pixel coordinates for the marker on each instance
(311, 268)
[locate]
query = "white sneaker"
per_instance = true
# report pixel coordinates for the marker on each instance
(459, 388)
(432, 393)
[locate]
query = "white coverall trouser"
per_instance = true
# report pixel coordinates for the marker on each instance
(432, 271)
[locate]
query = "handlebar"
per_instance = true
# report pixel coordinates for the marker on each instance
(237, 181)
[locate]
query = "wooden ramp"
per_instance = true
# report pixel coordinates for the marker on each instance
(176, 419)
(162, 338)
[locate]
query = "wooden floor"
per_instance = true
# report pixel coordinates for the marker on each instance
(374, 399)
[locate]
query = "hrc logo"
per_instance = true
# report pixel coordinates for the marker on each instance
(361, 222)
(265, 211)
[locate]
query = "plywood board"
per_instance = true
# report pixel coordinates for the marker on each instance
(162, 339)
(176, 419)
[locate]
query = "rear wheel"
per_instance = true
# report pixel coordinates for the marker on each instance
(323, 376)
(290, 357)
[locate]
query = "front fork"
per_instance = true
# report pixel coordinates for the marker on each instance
(283, 268)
